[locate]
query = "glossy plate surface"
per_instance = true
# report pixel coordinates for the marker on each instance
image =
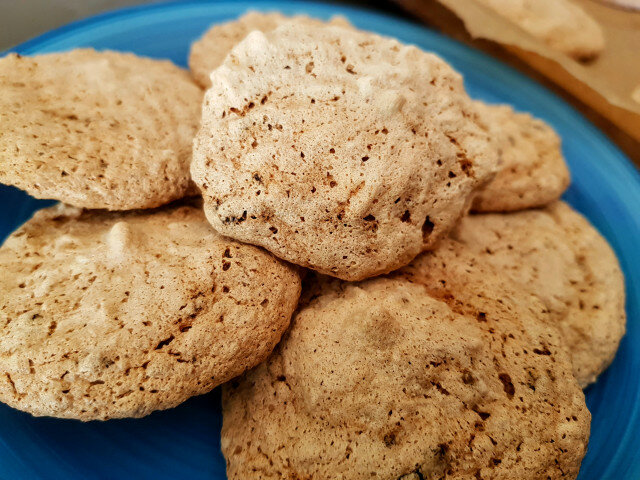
(184, 442)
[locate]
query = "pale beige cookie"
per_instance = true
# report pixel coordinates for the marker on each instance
(560, 257)
(338, 150)
(532, 171)
(441, 371)
(210, 50)
(97, 129)
(560, 24)
(109, 315)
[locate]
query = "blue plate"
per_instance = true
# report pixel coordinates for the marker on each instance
(184, 442)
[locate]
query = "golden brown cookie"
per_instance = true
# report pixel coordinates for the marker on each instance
(532, 171)
(338, 150)
(210, 50)
(109, 315)
(438, 371)
(97, 129)
(559, 256)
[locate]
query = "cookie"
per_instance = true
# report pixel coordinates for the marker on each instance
(439, 371)
(109, 315)
(210, 50)
(338, 150)
(560, 24)
(560, 257)
(97, 129)
(532, 171)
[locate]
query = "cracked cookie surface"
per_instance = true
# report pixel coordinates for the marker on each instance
(338, 150)
(558, 255)
(440, 370)
(105, 130)
(109, 315)
(209, 51)
(531, 172)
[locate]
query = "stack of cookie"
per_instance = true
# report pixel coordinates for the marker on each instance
(422, 343)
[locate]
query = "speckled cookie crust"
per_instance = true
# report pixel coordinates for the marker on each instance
(110, 315)
(532, 171)
(208, 52)
(97, 129)
(338, 150)
(439, 371)
(558, 255)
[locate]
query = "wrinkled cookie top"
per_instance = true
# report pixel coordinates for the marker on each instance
(440, 370)
(97, 129)
(559, 256)
(532, 171)
(561, 24)
(210, 50)
(108, 315)
(338, 150)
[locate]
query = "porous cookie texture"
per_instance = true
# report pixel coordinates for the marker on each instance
(559, 256)
(532, 171)
(338, 150)
(97, 129)
(210, 50)
(107, 315)
(441, 371)
(560, 24)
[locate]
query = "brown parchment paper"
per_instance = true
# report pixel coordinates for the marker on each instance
(605, 85)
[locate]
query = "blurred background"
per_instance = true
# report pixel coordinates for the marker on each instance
(23, 19)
